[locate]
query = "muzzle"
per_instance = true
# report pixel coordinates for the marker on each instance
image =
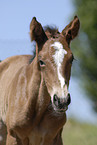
(61, 104)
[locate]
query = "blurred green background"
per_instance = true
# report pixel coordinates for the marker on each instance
(85, 47)
(76, 133)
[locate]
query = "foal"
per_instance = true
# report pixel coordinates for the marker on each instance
(34, 94)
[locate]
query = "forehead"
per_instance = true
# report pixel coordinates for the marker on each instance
(57, 47)
(60, 52)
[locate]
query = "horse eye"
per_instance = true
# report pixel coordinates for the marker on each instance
(41, 63)
(72, 58)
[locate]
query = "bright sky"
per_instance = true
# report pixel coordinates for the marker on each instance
(15, 17)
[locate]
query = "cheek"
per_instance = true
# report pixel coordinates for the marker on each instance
(67, 72)
(50, 75)
(48, 79)
(51, 80)
(49, 86)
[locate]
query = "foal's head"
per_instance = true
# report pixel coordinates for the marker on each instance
(55, 58)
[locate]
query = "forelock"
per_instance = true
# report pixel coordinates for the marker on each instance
(51, 31)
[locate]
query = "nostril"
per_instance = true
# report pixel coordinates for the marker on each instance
(55, 100)
(68, 99)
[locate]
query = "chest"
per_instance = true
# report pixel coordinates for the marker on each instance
(41, 137)
(45, 133)
(36, 137)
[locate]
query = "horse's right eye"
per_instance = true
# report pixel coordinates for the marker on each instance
(42, 64)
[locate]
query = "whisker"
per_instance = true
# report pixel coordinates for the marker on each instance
(75, 59)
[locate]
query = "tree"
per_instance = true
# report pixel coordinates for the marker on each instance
(86, 46)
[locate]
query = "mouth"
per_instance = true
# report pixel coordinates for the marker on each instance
(62, 110)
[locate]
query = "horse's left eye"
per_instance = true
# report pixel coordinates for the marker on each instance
(41, 63)
(71, 59)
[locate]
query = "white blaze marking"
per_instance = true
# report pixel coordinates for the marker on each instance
(58, 58)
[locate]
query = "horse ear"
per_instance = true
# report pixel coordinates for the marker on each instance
(71, 30)
(37, 33)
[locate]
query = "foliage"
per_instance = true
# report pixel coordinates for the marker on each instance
(85, 47)
(76, 133)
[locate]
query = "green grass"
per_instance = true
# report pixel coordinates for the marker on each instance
(76, 133)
